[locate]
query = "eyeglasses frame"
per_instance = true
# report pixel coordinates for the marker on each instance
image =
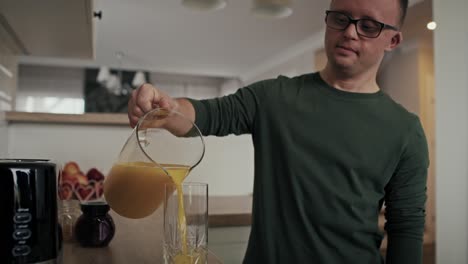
(355, 22)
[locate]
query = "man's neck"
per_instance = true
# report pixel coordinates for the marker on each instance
(357, 83)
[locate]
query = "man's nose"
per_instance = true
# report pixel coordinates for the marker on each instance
(351, 31)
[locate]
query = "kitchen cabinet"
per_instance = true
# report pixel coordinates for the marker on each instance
(50, 28)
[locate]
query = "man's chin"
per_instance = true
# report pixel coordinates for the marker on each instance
(344, 64)
(347, 68)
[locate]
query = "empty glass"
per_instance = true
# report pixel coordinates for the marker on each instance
(186, 228)
(151, 158)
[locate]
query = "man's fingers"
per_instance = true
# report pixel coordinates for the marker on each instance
(133, 120)
(146, 96)
(136, 111)
(140, 103)
(164, 103)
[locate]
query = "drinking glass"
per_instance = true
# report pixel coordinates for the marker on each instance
(186, 230)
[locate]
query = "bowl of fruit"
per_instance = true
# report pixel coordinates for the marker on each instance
(77, 184)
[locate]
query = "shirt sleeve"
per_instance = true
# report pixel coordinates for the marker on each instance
(231, 114)
(405, 200)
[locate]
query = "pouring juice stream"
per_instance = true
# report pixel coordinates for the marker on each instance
(135, 185)
(145, 183)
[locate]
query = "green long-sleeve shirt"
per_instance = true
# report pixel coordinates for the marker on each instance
(325, 161)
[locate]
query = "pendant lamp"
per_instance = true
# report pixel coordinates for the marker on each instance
(204, 4)
(272, 8)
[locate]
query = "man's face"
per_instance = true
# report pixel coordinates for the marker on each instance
(349, 52)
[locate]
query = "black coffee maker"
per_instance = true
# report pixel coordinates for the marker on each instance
(29, 230)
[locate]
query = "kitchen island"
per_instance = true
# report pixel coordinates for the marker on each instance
(118, 253)
(135, 241)
(140, 240)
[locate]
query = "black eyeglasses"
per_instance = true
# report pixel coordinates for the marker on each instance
(365, 27)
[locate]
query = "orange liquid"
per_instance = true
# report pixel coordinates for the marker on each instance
(198, 256)
(137, 189)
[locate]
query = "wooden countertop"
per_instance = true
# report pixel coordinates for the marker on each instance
(140, 240)
(118, 253)
(135, 241)
(83, 119)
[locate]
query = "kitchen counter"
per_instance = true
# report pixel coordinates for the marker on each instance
(135, 241)
(117, 253)
(227, 211)
(140, 240)
(82, 119)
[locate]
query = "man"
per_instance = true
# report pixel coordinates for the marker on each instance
(330, 148)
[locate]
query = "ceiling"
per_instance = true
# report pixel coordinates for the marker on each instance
(164, 36)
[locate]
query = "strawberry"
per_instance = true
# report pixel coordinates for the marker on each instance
(95, 175)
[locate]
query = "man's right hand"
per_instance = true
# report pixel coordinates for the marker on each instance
(146, 98)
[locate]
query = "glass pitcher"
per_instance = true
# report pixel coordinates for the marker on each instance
(151, 158)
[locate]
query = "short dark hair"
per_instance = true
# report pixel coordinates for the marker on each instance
(403, 9)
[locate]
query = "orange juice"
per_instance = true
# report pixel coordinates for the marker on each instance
(136, 189)
(198, 256)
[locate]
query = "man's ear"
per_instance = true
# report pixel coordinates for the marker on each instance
(395, 41)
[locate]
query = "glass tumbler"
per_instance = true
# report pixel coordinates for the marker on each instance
(186, 224)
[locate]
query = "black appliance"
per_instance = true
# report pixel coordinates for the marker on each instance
(29, 230)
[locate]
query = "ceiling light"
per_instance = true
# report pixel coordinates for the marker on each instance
(139, 79)
(204, 4)
(103, 74)
(431, 25)
(114, 84)
(272, 8)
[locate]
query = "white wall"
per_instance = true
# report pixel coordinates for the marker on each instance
(88, 145)
(3, 136)
(8, 74)
(50, 89)
(230, 86)
(300, 64)
(227, 166)
(50, 81)
(404, 89)
(451, 75)
(177, 85)
(295, 60)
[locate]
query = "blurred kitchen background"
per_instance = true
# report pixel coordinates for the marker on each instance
(67, 68)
